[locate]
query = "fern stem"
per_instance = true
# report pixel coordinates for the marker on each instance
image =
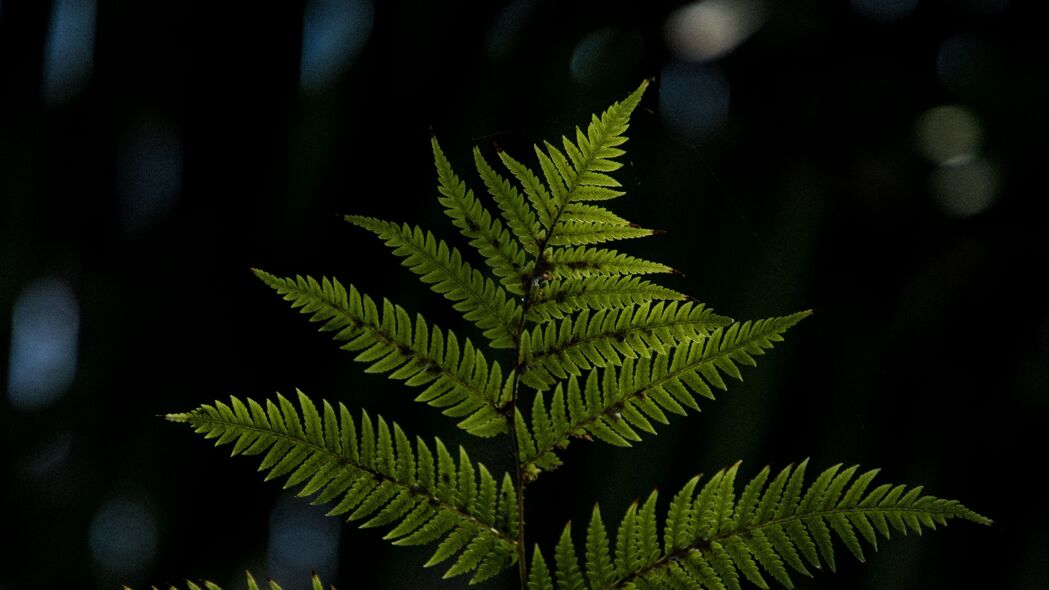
(515, 446)
(522, 552)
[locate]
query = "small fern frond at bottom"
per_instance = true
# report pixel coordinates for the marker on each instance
(372, 471)
(252, 585)
(714, 538)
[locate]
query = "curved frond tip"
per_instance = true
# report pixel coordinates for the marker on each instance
(371, 471)
(713, 537)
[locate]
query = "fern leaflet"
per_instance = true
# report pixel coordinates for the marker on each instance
(487, 234)
(586, 212)
(606, 337)
(515, 210)
(613, 406)
(559, 298)
(711, 539)
(579, 173)
(582, 261)
(534, 189)
(372, 472)
(457, 378)
(576, 233)
(482, 301)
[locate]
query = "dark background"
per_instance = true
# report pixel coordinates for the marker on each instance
(151, 153)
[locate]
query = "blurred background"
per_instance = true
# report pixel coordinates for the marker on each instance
(876, 160)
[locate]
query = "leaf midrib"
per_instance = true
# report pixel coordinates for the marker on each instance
(344, 461)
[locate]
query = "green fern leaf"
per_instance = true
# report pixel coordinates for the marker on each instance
(711, 540)
(373, 476)
(535, 190)
(569, 576)
(580, 169)
(647, 388)
(559, 298)
(486, 234)
(578, 174)
(539, 577)
(515, 210)
(599, 568)
(577, 233)
(482, 301)
(457, 377)
(607, 337)
(573, 263)
(590, 213)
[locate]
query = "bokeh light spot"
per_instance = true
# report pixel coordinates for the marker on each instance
(302, 539)
(966, 188)
(69, 49)
(334, 32)
(693, 99)
(949, 134)
(123, 536)
(884, 10)
(149, 173)
(708, 29)
(45, 326)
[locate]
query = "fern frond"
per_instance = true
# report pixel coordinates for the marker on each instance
(539, 577)
(571, 263)
(371, 471)
(519, 216)
(607, 337)
(614, 407)
(559, 298)
(712, 539)
(577, 233)
(585, 212)
(457, 377)
(578, 171)
(583, 165)
(486, 234)
(442, 267)
(534, 189)
(315, 584)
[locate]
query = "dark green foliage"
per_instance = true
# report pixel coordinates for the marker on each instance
(714, 539)
(587, 349)
(372, 470)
